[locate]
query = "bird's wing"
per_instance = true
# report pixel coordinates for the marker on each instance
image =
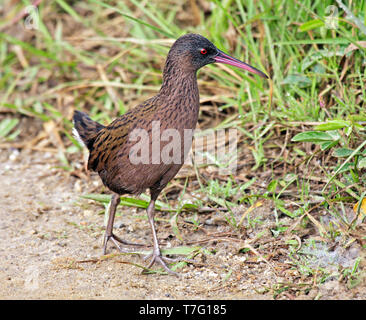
(114, 138)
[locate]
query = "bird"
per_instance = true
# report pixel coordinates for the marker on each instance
(174, 109)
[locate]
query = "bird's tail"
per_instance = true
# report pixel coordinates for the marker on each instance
(85, 129)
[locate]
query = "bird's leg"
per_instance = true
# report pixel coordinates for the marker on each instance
(109, 230)
(156, 255)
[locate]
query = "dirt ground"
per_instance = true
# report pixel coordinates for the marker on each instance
(51, 247)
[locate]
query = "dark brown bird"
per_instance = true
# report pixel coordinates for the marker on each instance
(113, 152)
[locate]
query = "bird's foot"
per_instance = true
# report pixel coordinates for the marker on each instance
(116, 240)
(157, 257)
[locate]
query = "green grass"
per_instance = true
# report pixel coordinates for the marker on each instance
(302, 134)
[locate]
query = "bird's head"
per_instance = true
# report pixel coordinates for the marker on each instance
(194, 51)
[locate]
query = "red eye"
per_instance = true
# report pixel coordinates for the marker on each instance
(203, 51)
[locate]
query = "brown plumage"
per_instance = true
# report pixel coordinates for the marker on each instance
(175, 107)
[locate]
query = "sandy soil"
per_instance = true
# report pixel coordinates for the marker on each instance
(51, 239)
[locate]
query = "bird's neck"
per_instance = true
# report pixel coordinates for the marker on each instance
(180, 84)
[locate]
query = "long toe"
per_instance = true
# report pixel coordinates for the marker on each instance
(116, 240)
(180, 259)
(128, 243)
(163, 261)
